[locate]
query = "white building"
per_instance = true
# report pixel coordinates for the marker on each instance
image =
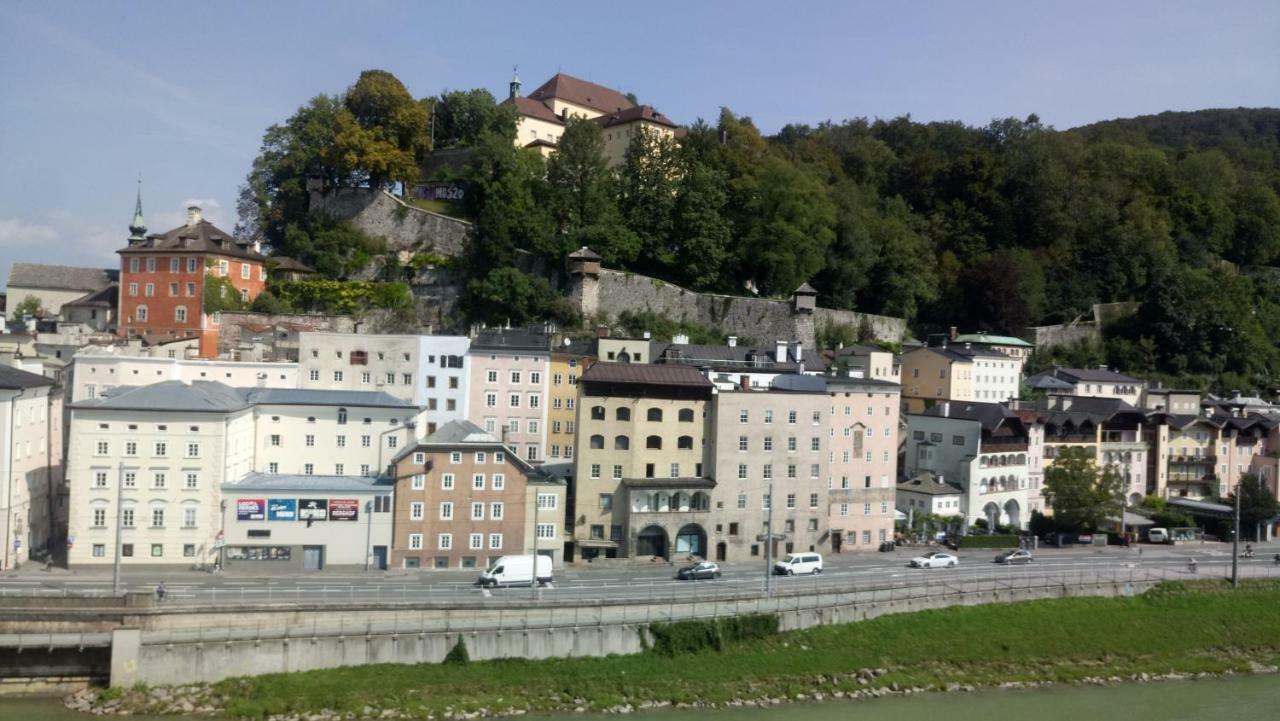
(94, 373)
(926, 493)
(1091, 382)
(982, 447)
(30, 463)
(275, 523)
(161, 454)
(429, 371)
(997, 378)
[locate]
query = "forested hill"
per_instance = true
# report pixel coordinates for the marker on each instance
(996, 227)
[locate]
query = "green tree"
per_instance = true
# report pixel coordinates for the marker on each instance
(464, 117)
(1081, 495)
(384, 134)
(582, 198)
(335, 248)
(1257, 505)
(647, 199)
(507, 295)
(505, 188)
(30, 306)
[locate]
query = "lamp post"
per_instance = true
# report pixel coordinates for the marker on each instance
(1235, 543)
(768, 548)
(368, 532)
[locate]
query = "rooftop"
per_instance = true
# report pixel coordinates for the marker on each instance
(200, 236)
(256, 481)
(989, 415)
(199, 396)
(455, 432)
(633, 114)
(989, 339)
(666, 374)
(1092, 375)
(17, 379)
(60, 277)
(527, 339)
(105, 297)
(309, 397)
(927, 483)
(581, 92)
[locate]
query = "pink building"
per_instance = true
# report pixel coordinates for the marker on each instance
(507, 387)
(862, 461)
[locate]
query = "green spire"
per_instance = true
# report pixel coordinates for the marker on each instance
(138, 227)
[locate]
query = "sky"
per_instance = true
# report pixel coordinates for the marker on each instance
(92, 94)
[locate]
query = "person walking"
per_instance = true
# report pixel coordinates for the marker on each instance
(161, 591)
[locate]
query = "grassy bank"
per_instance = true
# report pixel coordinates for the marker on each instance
(1185, 629)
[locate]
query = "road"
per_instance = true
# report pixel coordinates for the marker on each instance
(633, 583)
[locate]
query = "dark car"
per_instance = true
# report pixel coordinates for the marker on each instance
(1017, 555)
(698, 571)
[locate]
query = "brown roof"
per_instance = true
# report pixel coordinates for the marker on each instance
(534, 109)
(284, 262)
(633, 114)
(581, 92)
(644, 374)
(203, 237)
(540, 143)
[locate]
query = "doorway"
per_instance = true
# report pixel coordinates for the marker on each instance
(380, 558)
(722, 550)
(312, 558)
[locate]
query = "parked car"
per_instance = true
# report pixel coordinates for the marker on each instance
(697, 571)
(1158, 535)
(1015, 555)
(517, 571)
(936, 559)
(887, 546)
(796, 564)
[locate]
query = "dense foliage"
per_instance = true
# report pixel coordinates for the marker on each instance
(986, 228)
(1082, 495)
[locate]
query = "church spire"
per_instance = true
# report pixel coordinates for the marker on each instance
(513, 89)
(138, 228)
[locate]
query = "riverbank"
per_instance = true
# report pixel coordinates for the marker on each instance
(1174, 631)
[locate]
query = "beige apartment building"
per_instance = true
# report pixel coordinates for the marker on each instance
(30, 464)
(641, 488)
(463, 499)
(862, 425)
(569, 360)
(931, 374)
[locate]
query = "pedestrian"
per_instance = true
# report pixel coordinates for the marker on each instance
(160, 591)
(1139, 551)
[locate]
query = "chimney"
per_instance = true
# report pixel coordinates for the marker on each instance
(797, 353)
(946, 409)
(680, 339)
(744, 382)
(194, 216)
(780, 351)
(951, 333)
(647, 335)
(733, 341)
(602, 331)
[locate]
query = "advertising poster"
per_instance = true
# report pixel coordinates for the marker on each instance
(251, 509)
(313, 509)
(282, 509)
(344, 509)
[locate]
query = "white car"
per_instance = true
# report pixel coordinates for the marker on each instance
(796, 564)
(936, 559)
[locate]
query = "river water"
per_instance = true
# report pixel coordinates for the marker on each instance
(1233, 699)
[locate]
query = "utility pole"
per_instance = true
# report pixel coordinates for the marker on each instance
(533, 585)
(1235, 544)
(368, 532)
(768, 548)
(115, 571)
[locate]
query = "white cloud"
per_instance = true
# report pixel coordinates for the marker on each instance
(18, 233)
(60, 238)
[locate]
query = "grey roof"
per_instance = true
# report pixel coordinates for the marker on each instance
(256, 481)
(60, 277)
(576, 346)
(989, 415)
(669, 482)
(727, 357)
(460, 431)
(585, 253)
(1047, 382)
(202, 237)
(18, 379)
(805, 289)
(199, 396)
(845, 380)
(525, 339)
(106, 297)
(798, 383)
(927, 483)
(317, 397)
(1093, 375)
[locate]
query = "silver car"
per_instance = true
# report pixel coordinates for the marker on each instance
(1016, 555)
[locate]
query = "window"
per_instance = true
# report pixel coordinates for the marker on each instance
(653, 442)
(765, 502)
(99, 550)
(192, 480)
(188, 518)
(515, 377)
(476, 541)
(866, 509)
(310, 440)
(617, 472)
(791, 417)
(416, 510)
(130, 479)
(158, 479)
(513, 400)
(99, 479)
(597, 441)
(444, 541)
(149, 289)
(392, 441)
(495, 541)
(547, 501)
(314, 375)
(244, 271)
(546, 530)
(142, 314)
(477, 481)
(815, 443)
(415, 541)
(99, 517)
(308, 469)
(337, 376)
(621, 414)
(446, 511)
(180, 314)
(157, 550)
(768, 416)
(685, 442)
(193, 450)
(686, 415)
(275, 439)
(273, 467)
(133, 288)
(157, 518)
(813, 500)
(446, 482)
(491, 376)
(744, 416)
(654, 415)
(675, 470)
(595, 470)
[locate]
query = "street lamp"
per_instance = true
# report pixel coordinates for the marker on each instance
(368, 532)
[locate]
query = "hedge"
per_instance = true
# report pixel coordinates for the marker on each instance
(680, 637)
(988, 542)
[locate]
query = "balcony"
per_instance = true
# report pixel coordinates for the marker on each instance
(1003, 447)
(1193, 460)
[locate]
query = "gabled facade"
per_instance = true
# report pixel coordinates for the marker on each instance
(862, 460)
(508, 389)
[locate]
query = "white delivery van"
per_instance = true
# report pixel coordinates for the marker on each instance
(796, 564)
(517, 571)
(1158, 535)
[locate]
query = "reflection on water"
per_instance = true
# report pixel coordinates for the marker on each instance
(1245, 697)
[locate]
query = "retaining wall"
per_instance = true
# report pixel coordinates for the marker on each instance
(404, 227)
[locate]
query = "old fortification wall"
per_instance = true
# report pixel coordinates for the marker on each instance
(763, 320)
(404, 227)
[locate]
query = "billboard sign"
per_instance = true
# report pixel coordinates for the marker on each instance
(313, 509)
(282, 509)
(344, 509)
(251, 509)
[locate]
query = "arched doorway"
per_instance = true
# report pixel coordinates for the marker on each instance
(651, 541)
(1135, 499)
(992, 513)
(722, 550)
(1014, 513)
(691, 540)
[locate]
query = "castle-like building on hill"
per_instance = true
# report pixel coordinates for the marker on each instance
(545, 111)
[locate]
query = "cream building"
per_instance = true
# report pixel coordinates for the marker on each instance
(862, 460)
(508, 387)
(30, 464)
(55, 285)
(95, 373)
(931, 374)
(543, 114)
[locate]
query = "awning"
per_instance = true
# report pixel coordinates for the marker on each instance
(596, 543)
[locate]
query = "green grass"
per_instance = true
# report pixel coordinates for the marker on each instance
(1205, 628)
(443, 207)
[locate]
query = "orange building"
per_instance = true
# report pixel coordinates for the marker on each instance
(164, 277)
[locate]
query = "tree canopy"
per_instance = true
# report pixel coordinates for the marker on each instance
(1082, 496)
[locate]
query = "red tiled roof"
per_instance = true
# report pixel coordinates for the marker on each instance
(632, 114)
(202, 237)
(534, 109)
(666, 374)
(581, 92)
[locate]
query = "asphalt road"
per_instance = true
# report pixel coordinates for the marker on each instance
(579, 584)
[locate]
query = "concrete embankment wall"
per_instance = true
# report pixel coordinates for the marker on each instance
(192, 647)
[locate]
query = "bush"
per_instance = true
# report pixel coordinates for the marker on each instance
(681, 637)
(346, 298)
(1005, 541)
(458, 654)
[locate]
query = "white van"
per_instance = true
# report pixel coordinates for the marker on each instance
(796, 564)
(1158, 535)
(517, 571)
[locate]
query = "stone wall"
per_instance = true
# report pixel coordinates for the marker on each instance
(763, 320)
(404, 227)
(229, 333)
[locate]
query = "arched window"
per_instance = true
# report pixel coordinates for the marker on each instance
(686, 415)
(680, 502)
(655, 414)
(982, 487)
(597, 441)
(622, 414)
(621, 443)
(342, 416)
(597, 413)
(701, 501)
(654, 442)
(684, 443)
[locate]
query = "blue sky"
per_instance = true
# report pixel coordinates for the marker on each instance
(92, 93)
